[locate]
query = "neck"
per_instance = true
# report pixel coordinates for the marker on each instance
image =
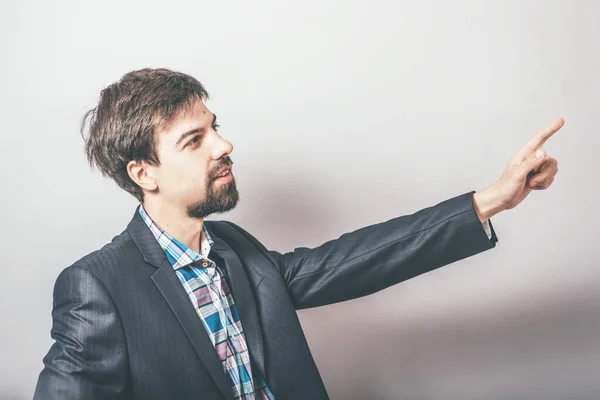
(176, 223)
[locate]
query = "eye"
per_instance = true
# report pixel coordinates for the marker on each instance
(216, 127)
(194, 140)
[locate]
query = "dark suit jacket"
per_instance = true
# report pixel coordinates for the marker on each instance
(124, 327)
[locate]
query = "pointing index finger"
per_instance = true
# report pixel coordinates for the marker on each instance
(540, 138)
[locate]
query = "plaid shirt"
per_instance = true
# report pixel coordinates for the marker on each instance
(209, 292)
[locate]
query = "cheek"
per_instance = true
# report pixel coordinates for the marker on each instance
(183, 174)
(190, 178)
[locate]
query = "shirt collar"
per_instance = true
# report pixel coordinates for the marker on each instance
(177, 253)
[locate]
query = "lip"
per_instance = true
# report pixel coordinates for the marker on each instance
(226, 177)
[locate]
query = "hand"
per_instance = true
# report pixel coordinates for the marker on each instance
(524, 173)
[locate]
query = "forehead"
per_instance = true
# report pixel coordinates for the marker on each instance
(190, 117)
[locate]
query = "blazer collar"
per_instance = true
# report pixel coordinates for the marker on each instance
(167, 282)
(145, 241)
(243, 295)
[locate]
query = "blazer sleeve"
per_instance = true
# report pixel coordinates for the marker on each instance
(375, 257)
(88, 358)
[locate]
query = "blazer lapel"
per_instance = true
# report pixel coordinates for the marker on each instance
(244, 301)
(171, 289)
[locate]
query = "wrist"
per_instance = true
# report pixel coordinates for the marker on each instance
(487, 203)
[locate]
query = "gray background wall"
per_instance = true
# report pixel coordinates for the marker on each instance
(342, 114)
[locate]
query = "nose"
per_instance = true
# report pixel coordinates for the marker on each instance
(223, 149)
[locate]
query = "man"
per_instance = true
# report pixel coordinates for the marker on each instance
(179, 308)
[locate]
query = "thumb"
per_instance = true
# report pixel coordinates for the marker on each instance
(533, 162)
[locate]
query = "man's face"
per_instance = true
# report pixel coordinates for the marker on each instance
(192, 155)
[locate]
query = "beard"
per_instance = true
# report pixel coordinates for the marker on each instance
(219, 199)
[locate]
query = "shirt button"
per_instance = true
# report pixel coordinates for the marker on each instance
(204, 263)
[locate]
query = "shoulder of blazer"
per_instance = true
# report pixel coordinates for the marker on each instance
(111, 255)
(225, 229)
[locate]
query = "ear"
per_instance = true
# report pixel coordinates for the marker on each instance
(141, 174)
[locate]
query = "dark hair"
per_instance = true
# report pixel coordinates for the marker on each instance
(122, 127)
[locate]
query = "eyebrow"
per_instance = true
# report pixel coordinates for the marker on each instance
(194, 131)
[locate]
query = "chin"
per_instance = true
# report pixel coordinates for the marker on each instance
(216, 201)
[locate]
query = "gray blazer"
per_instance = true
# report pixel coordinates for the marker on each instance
(124, 327)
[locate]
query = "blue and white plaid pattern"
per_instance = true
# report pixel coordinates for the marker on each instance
(209, 292)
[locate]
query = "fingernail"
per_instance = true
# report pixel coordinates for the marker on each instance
(539, 154)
